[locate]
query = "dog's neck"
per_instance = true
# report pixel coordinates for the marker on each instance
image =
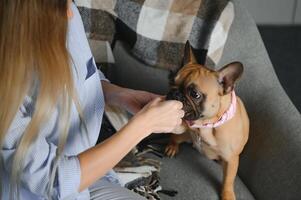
(226, 112)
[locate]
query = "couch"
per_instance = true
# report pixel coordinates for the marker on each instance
(270, 165)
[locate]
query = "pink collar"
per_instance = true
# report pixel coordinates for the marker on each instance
(229, 114)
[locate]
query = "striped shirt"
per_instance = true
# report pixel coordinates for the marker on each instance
(40, 157)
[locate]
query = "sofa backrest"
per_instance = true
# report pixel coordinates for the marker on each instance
(270, 164)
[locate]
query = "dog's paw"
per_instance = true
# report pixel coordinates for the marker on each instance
(171, 149)
(228, 195)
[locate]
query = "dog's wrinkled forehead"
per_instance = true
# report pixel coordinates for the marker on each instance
(194, 74)
(205, 78)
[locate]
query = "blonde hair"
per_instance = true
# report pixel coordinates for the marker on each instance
(33, 50)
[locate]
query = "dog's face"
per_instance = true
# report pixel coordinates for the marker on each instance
(199, 88)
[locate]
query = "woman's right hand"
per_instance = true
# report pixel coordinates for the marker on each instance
(160, 116)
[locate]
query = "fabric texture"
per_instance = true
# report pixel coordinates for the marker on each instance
(106, 190)
(156, 31)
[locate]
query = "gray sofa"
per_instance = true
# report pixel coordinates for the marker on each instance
(270, 165)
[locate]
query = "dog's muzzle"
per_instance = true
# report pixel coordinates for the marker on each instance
(190, 114)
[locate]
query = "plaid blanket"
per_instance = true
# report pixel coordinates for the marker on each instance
(157, 30)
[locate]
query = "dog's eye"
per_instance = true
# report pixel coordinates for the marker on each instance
(195, 94)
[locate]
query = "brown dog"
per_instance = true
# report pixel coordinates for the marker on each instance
(216, 120)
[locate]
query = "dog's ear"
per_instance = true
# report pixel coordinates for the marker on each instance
(189, 56)
(228, 75)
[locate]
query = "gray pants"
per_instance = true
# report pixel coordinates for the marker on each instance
(105, 190)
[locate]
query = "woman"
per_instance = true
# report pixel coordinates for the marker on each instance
(52, 101)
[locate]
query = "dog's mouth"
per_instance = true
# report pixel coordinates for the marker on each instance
(189, 122)
(191, 114)
(191, 118)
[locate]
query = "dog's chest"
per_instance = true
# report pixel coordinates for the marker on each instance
(204, 136)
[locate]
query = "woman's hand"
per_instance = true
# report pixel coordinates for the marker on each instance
(160, 116)
(154, 114)
(131, 100)
(134, 100)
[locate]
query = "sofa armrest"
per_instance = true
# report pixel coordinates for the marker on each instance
(270, 164)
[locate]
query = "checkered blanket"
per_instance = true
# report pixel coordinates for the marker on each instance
(157, 30)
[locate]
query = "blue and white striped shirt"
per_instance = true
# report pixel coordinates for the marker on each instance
(35, 175)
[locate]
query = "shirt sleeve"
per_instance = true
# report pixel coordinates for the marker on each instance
(102, 76)
(39, 161)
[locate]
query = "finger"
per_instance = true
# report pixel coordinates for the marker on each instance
(153, 96)
(150, 96)
(179, 122)
(164, 97)
(175, 104)
(180, 104)
(156, 101)
(134, 109)
(182, 113)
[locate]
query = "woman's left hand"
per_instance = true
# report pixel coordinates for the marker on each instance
(131, 100)
(134, 100)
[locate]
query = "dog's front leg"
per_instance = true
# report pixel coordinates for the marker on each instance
(172, 147)
(230, 170)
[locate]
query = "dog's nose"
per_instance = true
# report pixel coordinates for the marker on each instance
(175, 95)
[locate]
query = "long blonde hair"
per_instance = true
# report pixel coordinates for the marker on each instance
(33, 50)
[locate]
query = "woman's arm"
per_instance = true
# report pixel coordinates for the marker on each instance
(131, 100)
(157, 116)
(96, 161)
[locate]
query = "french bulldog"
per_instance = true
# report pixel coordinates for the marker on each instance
(215, 118)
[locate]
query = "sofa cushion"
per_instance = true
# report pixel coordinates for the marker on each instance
(196, 177)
